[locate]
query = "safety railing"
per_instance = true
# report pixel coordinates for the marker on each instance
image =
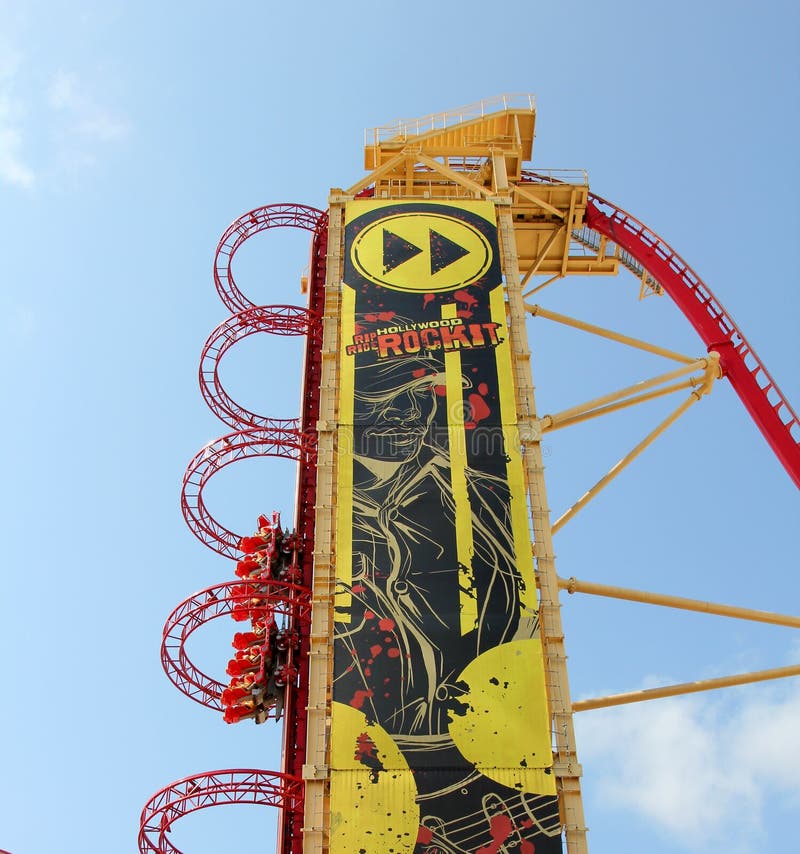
(403, 128)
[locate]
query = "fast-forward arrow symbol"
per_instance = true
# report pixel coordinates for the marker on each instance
(443, 251)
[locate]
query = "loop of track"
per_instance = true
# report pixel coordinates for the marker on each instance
(290, 601)
(271, 319)
(748, 375)
(211, 789)
(249, 224)
(283, 439)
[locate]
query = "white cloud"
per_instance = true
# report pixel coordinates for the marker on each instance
(694, 767)
(84, 117)
(103, 127)
(62, 92)
(13, 166)
(13, 169)
(68, 123)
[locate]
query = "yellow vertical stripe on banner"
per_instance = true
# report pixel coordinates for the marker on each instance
(457, 441)
(344, 458)
(514, 471)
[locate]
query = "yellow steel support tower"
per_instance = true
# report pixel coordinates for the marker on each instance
(477, 153)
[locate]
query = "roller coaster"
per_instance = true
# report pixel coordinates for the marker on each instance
(283, 598)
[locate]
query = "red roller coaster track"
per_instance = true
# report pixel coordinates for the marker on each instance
(760, 394)
(260, 219)
(290, 601)
(271, 319)
(211, 789)
(254, 436)
(282, 440)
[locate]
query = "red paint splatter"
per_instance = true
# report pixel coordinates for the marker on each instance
(367, 754)
(359, 329)
(359, 698)
(479, 407)
(465, 313)
(369, 615)
(420, 372)
(376, 650)
(386, 625)
(483, 388)
(500, 827)
(527, 847)
(465, 297)
(383, 316)
(394, 652)
(527, 823)
(358, 588)
(441, 390)
(428, 298)
(365, 747)
(424, 835)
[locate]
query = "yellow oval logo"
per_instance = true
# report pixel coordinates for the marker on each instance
(421, 253)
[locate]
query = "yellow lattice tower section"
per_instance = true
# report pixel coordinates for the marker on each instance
(471, 155)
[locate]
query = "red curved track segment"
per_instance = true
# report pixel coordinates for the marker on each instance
(249, 224)
(211, 789)
(271, 319)
(254, 436)
(749, 377)
(283, 439)
(281, 600)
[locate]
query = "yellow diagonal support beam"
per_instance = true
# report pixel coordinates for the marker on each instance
(452, 175)
(573, 585)
(538, 202)
(538, 311)
(389, 166)
(711, 374)
(686, 688)
(600, 405)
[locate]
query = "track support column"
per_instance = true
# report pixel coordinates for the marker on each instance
(316, 770)
(566, 767)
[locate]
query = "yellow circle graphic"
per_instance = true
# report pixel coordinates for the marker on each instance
(372, 788)
(504, 730)
(421, 253)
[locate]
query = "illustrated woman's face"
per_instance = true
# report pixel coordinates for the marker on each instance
(391, 425)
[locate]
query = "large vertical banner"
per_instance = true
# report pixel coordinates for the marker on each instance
(439, 736)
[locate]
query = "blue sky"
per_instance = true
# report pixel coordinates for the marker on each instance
(131, 134)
